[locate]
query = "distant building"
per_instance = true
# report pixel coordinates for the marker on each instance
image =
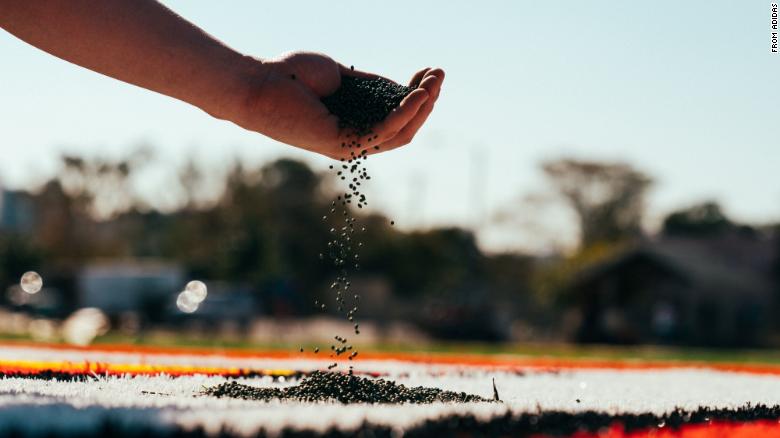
(118, 286)
(709, 291)
(225, 302)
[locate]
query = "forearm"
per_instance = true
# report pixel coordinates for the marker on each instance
(137, 41)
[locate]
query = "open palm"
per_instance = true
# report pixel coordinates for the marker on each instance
(285, 105)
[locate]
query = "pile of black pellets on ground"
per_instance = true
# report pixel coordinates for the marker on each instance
(360, 104)
(345, 388)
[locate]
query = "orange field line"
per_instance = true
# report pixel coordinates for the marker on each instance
(102, 368)
(496, 362)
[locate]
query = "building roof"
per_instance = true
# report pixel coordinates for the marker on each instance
(729, 264)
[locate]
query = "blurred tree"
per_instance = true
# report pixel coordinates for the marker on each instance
(508, 273)
(442, 261)
(776, 236)
(703, 219)
(191, 180)
(265, 230)
(608, 198)
(102, 186)
(508, 279)
(551, 277)
(74, 207)
(56, 219)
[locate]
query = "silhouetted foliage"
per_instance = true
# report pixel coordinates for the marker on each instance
(265, 231)
(608, 198)
(261, 229)
(704, 219)
(775, 230)
(436, 261)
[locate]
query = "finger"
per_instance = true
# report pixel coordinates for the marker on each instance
(418, 77)
(433, 85)
(439, 73)
(397, 119)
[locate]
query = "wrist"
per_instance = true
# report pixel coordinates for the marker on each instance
(237, 85)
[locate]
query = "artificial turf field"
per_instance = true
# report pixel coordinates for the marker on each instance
(50, 390)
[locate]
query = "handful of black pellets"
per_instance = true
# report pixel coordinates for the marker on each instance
(360, 103)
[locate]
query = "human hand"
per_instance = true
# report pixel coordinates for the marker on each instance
(283, 102)
(134, 42)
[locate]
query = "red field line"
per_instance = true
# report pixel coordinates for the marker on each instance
(713, 429)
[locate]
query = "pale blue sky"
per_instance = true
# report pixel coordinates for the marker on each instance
(687, 91)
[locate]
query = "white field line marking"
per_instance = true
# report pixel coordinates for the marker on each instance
(161, 401)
